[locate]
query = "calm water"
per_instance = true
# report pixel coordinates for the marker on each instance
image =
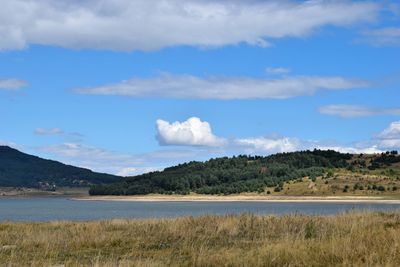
(46, 209)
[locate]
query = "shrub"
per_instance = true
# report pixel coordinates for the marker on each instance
(380, 188)
(277, 189)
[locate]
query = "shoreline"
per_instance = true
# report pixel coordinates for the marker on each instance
(244, 198)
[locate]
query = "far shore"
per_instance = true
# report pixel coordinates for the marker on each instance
(244, 198)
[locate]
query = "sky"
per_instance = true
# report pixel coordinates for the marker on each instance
(128, 87)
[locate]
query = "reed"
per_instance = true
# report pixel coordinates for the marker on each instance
(350, 239)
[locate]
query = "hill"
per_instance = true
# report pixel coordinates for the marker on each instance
(270, 175)
(18, 169)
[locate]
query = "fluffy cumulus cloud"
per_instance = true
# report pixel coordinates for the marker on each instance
(11, 84)
(149, 25)
(193, 87)
(351, 111)
(192, 132)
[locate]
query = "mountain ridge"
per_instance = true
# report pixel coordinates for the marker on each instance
(19, 169)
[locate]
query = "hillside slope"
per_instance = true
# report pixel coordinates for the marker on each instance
(18, 169)
(246, 173)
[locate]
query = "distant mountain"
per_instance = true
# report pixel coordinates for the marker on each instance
(18, 169)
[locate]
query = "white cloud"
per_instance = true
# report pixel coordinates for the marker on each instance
(269, 145)
(352, 111)
(353, 150)
(192, 87)
(11, 84)
(192, 132)
(277, 71)
(67, 136)
(103, 160)
(48, 131)
(130, 171)
(389, 138)
(393, 131)
(279, 144)
(389, 36)
(148, 25)
(7, 143)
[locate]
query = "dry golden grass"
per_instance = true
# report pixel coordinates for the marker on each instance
(353, 239)
(334, 186)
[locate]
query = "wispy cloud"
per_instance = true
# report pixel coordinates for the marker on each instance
(12, 84)
(352, 111)
(69, 136)
(269, 145)
(148, 25)
(104, 160)
(389, 36)
(277, 70)
(8, 143)
(48, 131)
(131, 171)
(352, 150)
(193, 87)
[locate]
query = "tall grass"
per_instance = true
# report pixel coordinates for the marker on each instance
(352, 239)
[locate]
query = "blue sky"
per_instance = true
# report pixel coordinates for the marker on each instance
(132, 86)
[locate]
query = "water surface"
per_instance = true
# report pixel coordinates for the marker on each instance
(49, 209)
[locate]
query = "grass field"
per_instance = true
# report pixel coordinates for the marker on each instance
(379, 183)
(352, 239)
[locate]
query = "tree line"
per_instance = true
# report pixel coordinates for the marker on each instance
(229, 175)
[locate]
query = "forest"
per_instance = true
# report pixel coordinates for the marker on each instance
(229, 175)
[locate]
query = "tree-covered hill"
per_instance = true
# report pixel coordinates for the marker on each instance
(230, 175)
(18, 169)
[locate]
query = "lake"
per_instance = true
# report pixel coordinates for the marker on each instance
(49, 209)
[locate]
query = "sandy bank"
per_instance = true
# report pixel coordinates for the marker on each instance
(246, 198)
